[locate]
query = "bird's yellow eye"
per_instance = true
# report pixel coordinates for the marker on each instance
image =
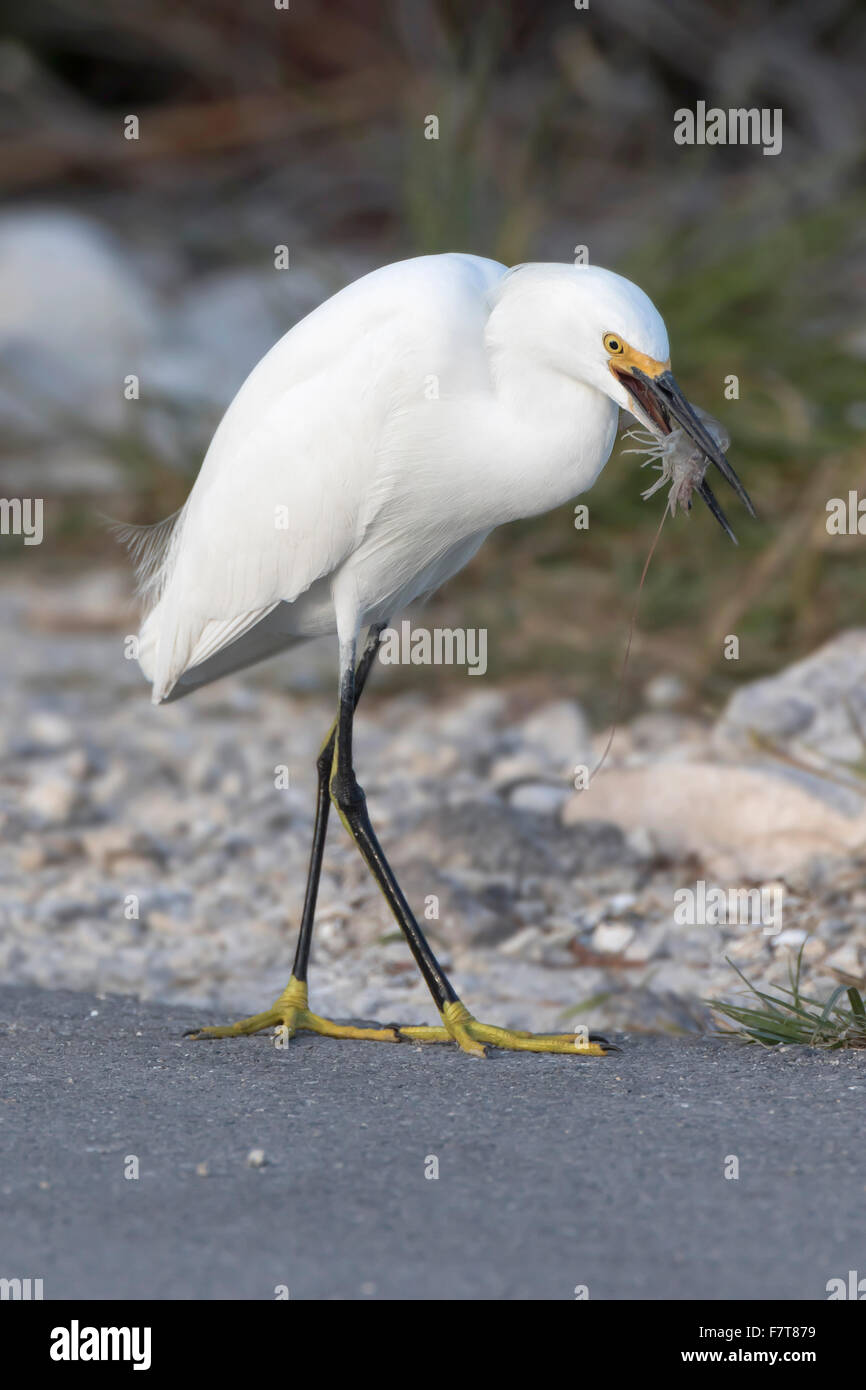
(612, 343)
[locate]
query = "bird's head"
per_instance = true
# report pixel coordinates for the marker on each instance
(600, 329)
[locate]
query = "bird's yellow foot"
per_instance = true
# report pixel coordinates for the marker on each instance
(471, 1036)
(291, 1015)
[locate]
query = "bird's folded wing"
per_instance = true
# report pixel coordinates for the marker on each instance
(217, 635)
(302, 464)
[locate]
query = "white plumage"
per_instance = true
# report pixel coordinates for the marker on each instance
(372, 450)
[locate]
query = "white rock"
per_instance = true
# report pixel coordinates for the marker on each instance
(648, 942)
(64, 283)
(792, 936)
(105, 843)
(51, 799)
(739, 822)
(846, 960)
(520, 942)
(472, 719)
(612, 937)
(640, 841)
(541, 797)
(621, 902)
(814, 949)
(49, 730)
(516, 767)
(815, 704)
(665, 690)
(747, 948)
(561, 732)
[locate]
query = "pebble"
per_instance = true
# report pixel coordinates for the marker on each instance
(847, 961)
(647, 943)
(51, 799)
(520, 942)
(612, 937)
(792, 936)
(561, 732)
(665, 691)
(49, 730)
(540, 797)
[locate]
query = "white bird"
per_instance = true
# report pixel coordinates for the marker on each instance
(362, 463)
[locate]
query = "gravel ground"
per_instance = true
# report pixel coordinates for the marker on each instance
(157, 851)
(305, 1168)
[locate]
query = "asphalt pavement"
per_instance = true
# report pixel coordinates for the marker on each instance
(135, 1163)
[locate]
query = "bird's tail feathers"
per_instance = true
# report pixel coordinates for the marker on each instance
(163, 651)
(152, 550)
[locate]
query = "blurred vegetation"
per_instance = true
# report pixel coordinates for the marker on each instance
(556, 130)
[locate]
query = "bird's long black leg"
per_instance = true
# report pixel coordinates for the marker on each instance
(290, 1013)
(352, 807)
(458, 1024)
(323, 806)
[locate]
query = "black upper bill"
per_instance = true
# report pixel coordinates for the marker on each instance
(666, 399)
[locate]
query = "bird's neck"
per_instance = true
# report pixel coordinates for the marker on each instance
(554, 435)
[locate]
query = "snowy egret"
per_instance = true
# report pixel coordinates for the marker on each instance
(362, 463)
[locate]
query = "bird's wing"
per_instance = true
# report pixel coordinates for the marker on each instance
(289, 486)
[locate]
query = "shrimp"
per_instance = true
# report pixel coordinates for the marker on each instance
(680, 461)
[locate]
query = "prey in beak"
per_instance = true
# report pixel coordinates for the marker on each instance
(662, 404)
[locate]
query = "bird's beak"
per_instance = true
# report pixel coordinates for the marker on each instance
(653, 387)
